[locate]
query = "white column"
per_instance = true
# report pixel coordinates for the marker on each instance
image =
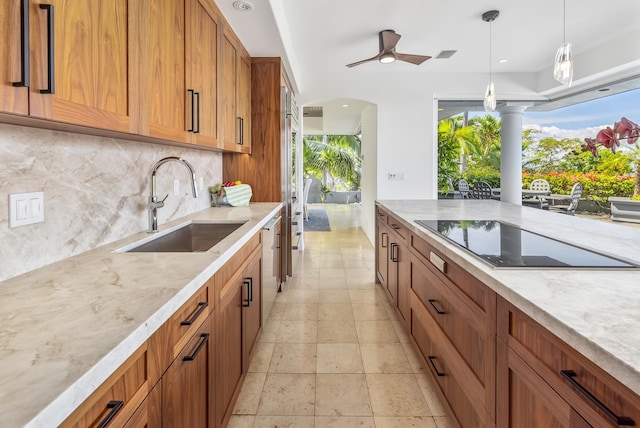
(511, 153)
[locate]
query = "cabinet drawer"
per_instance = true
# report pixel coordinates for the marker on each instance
(186, 321)
(117, 398)
(471, 287)
(585, 386)
(468, 329)
(462, 392)
(398, 228)
(381, 215)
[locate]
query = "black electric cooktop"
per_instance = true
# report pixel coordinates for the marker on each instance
(505, 245)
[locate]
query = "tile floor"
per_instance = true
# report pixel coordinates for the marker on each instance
(333, 353)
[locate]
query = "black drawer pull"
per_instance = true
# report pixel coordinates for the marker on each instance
(394, 252)
(197, 131)
(570, 375)
(247, 302)
(203, 339)
(250, 281)
(438, 311)
(435, 369)
(395, 226)
(196, 314)
(384, 235)
(193, 110)
(24, 45)
(50, 51)
(115, 407)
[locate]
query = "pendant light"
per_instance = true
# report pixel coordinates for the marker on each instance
(490, 93)
(563, 64)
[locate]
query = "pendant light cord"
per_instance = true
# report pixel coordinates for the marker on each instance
(564, 22)
(490, 49)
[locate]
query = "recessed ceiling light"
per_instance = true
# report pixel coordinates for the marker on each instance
(440, 109)
(242, 5)
(345, 105)
(502, 61)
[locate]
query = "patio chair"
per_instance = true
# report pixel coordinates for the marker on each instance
(538, 201)
(463, 188)
(482, 190)
(570, 209)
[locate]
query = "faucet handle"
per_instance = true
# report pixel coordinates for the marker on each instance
(160, 204)
(165, 198)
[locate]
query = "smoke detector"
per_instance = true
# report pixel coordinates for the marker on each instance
(242, 5)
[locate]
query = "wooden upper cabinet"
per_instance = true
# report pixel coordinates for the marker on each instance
(86, 73)
(201, 59)
(13, 99)
(163, 88)
(235, 94)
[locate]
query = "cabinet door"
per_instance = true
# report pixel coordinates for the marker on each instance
(392, 271)
(525, 400)
(252, 308)
(149, 414)
(89, 74)
(187, 385)
(201, 60)
(14, 99)
(228, 102)
(229, 342)
(403, 281)
(244, 101)
(382, 253)
(164, 96)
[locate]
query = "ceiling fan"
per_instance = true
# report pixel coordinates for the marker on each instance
(388, 41)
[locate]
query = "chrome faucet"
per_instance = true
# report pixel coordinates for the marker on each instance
(154, 203)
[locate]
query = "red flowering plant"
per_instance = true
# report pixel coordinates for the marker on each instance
(610, 138)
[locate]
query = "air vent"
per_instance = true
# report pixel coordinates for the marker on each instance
(446, 54)
(312, 111)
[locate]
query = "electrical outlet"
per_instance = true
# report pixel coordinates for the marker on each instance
(201, 184)
(396, 176)
(176, 187)
(26, 208)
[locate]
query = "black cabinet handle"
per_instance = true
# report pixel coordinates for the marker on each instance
(394, 252)
(435, 369)
(384, 234)
(570, 375)
(279, 243)
(438, 311)
(196, 314)
(115, 407)
(240, 122)
(203, 339)
(395, 226)
(193, 127)
(247, 302)
(197, 131)
(250, 282)
(24, 45)
(50, 50)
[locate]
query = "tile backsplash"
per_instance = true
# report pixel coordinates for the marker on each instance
(95, 191)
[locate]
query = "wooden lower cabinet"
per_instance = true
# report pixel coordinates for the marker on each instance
(149, 414)
(188, 385)
(382, 252)
(238, 325)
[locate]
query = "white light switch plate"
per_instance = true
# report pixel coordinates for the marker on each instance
(26, 208)
(176, 187)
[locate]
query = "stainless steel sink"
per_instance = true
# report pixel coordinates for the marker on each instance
(190, 238)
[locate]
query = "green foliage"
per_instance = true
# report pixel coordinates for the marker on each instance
(487, 130)
(335, 161)
(488, 174)
(454, 141)
(597, 187)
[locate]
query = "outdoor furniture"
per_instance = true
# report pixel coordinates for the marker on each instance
(572, 199)
(482, 190)
(538, 201)
(463, 188)
(450, 192)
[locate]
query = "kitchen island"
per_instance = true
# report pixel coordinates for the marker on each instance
(65, 328)
(592, 310)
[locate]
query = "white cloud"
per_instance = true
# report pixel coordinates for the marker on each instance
(558, 133)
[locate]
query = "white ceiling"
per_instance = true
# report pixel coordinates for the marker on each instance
(319, 37)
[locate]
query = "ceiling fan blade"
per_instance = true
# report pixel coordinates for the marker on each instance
(375, 58)
(388, 40)
(413, 59)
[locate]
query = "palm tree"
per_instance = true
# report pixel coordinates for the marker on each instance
(335, 159)
(487, 129)
(456, 143)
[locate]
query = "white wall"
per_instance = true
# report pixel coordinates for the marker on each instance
(95, 191)
(369, 123)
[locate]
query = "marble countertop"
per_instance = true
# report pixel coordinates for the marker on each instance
(596, 311)
(66, 327)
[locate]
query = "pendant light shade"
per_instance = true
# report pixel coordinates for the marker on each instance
(490, 98)
(563, 64)
(490, 93)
